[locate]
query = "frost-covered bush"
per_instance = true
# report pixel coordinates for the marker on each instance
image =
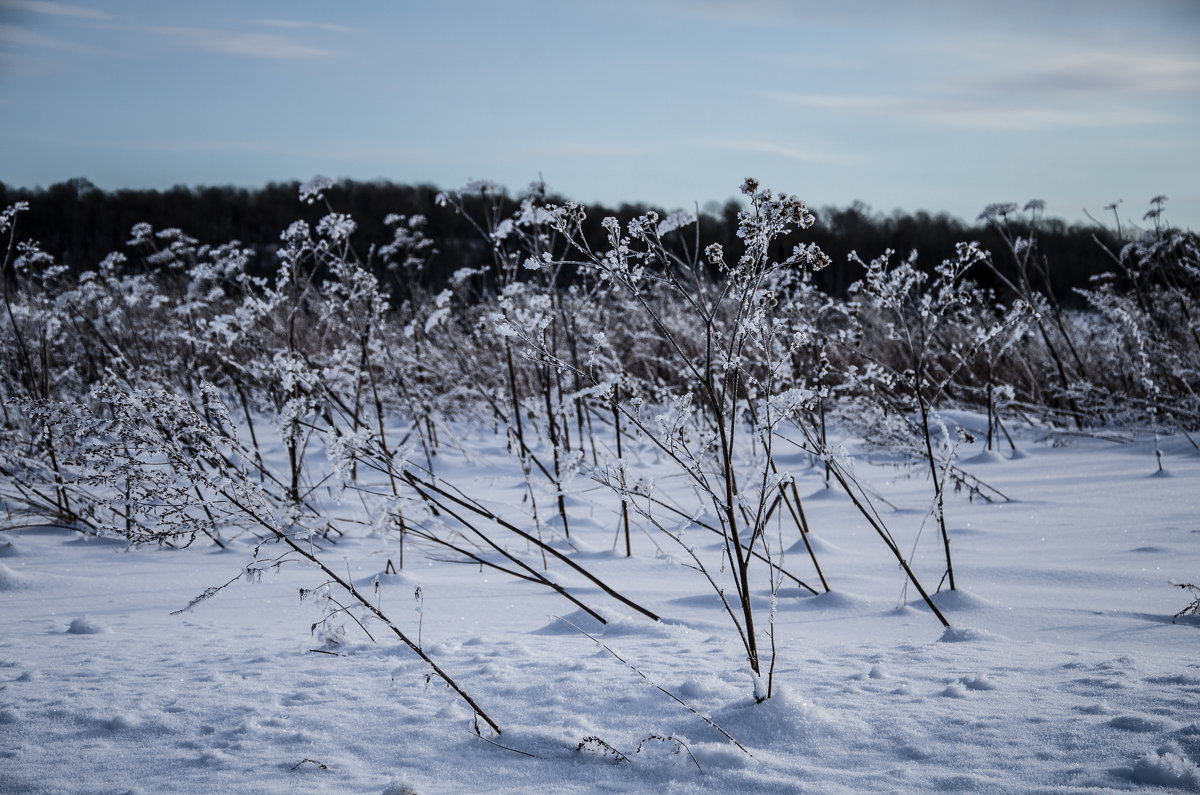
(170, 394)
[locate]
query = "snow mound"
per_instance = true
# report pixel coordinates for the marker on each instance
(977, 682)
(630, 625)
(624, 626)
(831, 494)
(1166, 770)
(965, 635)
(1139, 724)
(819, 545)
(959, 601)
(85, 626)
(13, 580)
(119, 722)
(386, 579)
(695, 687)
(954, 690)
(9, 550)
(985, 457)
(833, 601)
(571, 624)
(786, 719)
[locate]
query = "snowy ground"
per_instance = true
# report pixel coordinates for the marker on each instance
(1063, 670)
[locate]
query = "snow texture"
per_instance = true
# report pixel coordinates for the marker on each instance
(1063, 670)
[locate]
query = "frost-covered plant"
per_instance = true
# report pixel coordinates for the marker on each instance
(925, 329)
(725, 347)
(1193, 591)
(40, 363)
(177, 469)
(523, 273)
(1146, 327)
(917, 320)
(1032, 285)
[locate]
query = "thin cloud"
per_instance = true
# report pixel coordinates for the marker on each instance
(297, 24)
(797, 153)
(945, 17)
(16, 36)
(251, 45)
(1093, 73)
(55, 9)
(981, 114)
(988, 116)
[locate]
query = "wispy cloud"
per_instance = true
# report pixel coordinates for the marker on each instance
(247, 44)
(976, 111)
(55, 9)
(16, 36)
(1104, 72)
(990, 116)
(298, 24)
(791, 152)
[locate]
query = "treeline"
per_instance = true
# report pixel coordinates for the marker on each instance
(81, 224)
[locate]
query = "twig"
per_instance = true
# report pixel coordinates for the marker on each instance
(505, 747)
(658, 687)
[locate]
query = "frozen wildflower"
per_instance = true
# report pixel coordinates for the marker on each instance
(296, 232)
(675, 221)
(141, 233)
(643, 225)
(750, 186)
(314, 189)
(482, 187)
(534, 215)
(997, 210)
(714, 253)
(173, 234)
(336, 226)
(112, 263)
(503, 230)
(460, 276)
(32, 260)
(811, 257)
(10, 212)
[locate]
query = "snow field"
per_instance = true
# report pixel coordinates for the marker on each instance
(1063, 670)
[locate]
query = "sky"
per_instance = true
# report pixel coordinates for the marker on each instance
(925, 105)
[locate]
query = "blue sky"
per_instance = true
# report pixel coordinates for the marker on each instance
(918, 105)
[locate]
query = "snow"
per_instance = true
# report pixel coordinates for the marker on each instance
(1062, 671)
